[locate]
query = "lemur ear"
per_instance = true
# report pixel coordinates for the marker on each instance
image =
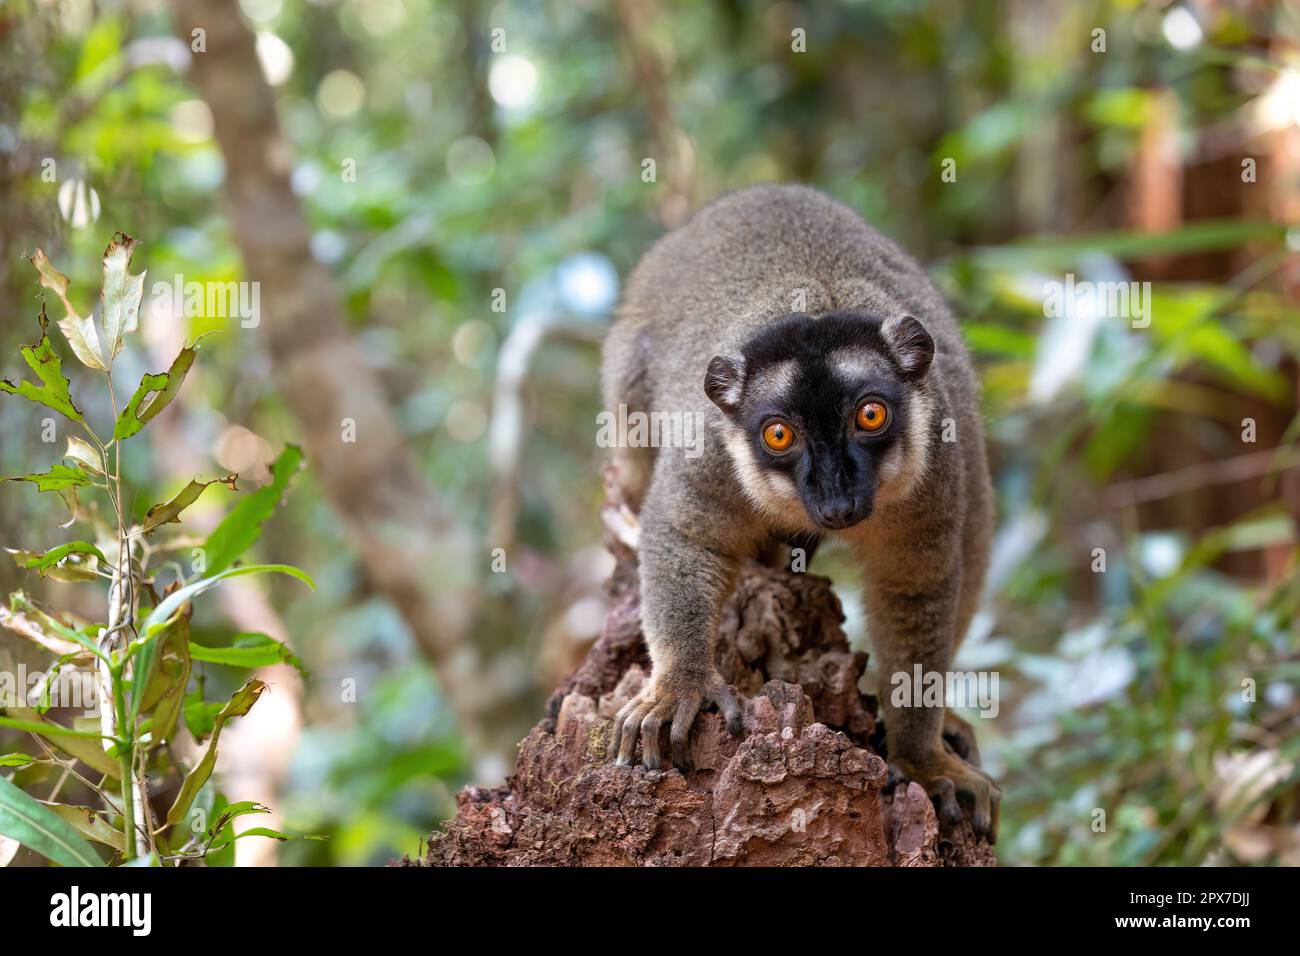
(911, 344)
(723, 382)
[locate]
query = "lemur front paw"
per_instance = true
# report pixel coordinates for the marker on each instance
(952, 784)
(673, 699)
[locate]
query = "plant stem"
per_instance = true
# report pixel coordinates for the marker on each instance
(121, 606)
(125, 758)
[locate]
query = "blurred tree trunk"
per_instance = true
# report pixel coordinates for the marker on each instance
(672, 147)
(1048, 187)
(412, 550)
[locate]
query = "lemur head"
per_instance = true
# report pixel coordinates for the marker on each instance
(829, 413)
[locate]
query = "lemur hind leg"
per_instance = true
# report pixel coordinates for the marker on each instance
(913, 608)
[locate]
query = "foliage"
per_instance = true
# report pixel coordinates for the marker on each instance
(140, 657)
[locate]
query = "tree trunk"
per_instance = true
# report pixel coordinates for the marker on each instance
(803, 785)
(412, 548)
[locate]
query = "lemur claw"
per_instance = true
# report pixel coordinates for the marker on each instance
(674, 701)
(955, 786)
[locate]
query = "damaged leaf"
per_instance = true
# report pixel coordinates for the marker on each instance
(68, 572)
(69, 496)
(120, 294)
(230, 836)
(86, 747)
(27, 620)
(84, 454)
(89, 823)
(162, 386)
(119, 304)
(75, 556)
(227, 815)
(164, 693)
(170, 510)
(48, 366)
(80, 332)
(58, 478)
(239, 704)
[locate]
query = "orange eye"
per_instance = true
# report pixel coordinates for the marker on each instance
(778, 436)
(873, 416)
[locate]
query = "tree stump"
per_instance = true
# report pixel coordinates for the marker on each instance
(802, 786)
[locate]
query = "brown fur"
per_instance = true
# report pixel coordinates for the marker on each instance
(738, 265)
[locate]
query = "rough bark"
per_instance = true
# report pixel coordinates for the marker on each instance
(802, 786)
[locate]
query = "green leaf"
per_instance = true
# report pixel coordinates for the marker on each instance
(163, 386)
(16, 760)
(86, 745)
(200, 714)
(84, 454)
(165, 688)
(239, 704)
(243, 525)
(45, 362)
(59, 477)
(50, 730)
(230, 836)
(77, 570)
(90, 823)
(989, 339)
(224, 857)
(169, 605)
(54, 558)
(170, 511)
(101, 51)
(248, 650)
(1188, 326)
(162, 614)
(1201, 236)
(1127, 106)
(35, 826)
(230, 811)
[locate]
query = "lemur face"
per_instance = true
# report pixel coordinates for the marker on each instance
(826, 418)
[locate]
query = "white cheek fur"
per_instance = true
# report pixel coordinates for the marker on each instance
(773, 495)
(907, 461)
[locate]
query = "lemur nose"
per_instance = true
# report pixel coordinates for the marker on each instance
(837, 514)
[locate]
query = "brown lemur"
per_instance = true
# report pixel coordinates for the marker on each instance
(838, 401)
